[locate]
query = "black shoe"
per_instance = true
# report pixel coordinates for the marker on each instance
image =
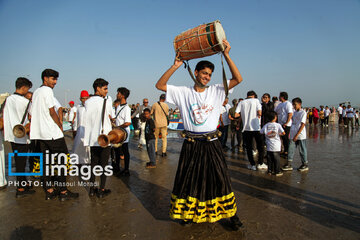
(287, 167)
(23, 193)
(50, 195)
(124, 173)
(68, 195)
(92, 191)
(150, 165)
(164, 154)
(235, 223)
(303, 167)
(103, 192)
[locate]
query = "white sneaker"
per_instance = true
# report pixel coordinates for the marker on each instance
(252, 167)
(262, 166)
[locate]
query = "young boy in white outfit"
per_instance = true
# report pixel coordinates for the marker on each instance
(298, 137)
(273, 131)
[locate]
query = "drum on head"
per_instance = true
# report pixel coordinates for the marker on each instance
(204, 40)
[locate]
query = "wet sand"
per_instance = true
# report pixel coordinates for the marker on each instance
(321, 204)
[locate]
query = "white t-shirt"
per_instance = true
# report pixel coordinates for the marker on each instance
(73, 110)
(123, 117)
(57, 105)
(327, 112)
(93, 120)
(43, 126)
(200, 111)
(344, 112)
(349, 112)
(225, 114)
(248, 110)
(340, 110)
(272, 131)
(282, 110)
(356, 115)
(80, 116)
(14, 110)
(298, 118)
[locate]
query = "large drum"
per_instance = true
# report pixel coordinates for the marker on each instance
(202, 41)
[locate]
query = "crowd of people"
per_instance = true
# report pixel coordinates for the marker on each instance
(269, 129)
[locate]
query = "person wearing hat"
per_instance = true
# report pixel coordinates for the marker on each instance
(78, 148)
(160, 111)
(72, 117)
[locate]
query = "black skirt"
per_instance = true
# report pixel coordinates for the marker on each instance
(202, 189)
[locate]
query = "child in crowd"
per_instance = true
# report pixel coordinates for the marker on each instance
(273, 131)
(298, 137)
(150, 138)
(357, 118)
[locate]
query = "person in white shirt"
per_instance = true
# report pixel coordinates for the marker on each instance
(98, 115)
(276, 101)
(340, 111)
(327, 115)
(202, 176)
(83, 152)
(285, 111)
(16, 112)
(345, 120)
(350, 116)
(123, 120)
(272, 131)
(72, 118)
(250, 112)
(297, 137)
(224, 123)
(47, 130)
(3, 181)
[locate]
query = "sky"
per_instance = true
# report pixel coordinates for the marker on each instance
(309, 48)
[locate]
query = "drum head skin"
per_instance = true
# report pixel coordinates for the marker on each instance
(201, 41)
(220, 34)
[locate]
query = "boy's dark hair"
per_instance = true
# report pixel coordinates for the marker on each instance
(162, 96)
(297, 100)
(99, 83)
(204, 64)
(49, 73)
(266, 94)
(21, 82)
(147, 110)
(124, 91)
(251, 93)
(284, 95)
(272, 115)
(274, 98)
(117, 101)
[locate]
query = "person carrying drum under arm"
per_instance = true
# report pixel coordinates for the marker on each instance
(98, 115)
(207, 180)
(160, 111)
(16, 112)
(123, 120)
